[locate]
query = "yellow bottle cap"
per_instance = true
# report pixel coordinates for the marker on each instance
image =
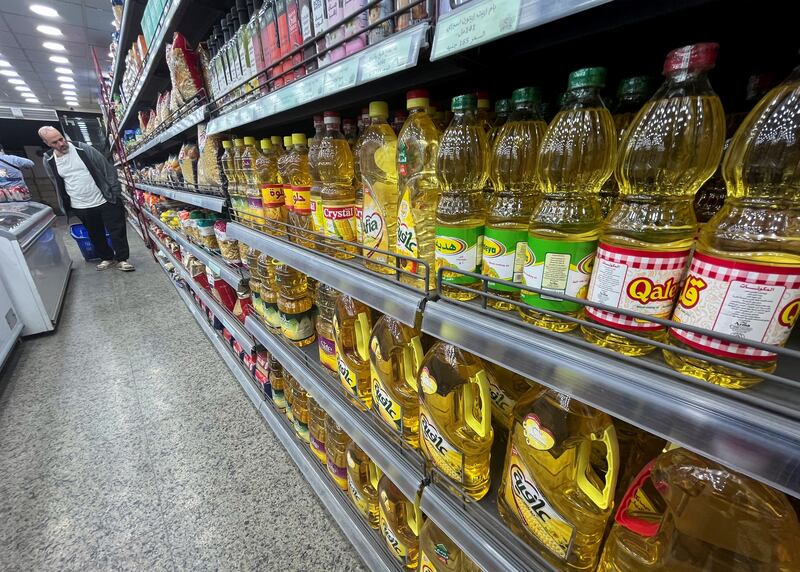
(378, 109)
(266, 144)
(226, 144)
(276, 140)
(249, 140)
(298, 139)
(238, 142)
(287, 140)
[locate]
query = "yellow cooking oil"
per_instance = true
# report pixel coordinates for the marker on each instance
(270, 314)
(288, 393)
(684, 512)
(438, 553)
(316, 183)
(300, 411)
(326, 297)
(377, 157)
(272, 197)
(362, 483)
(513, 172)
(575, 159)
(455, 416)
(463, 168)
(395, 354)
(299, 179)
(316, 429)
(335, 164)
(276, 381)
(295, 306)
(336, 442)
(229, 169)
(506, 388)
(358, 185)
(277, 144)
(419, 189)
(502, 110)
(288, 197)
(352, 325)
(400, 522)
(669, 150)
(560, 472)
(239, 195)
(744, 277)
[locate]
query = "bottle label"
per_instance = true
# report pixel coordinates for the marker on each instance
(643, 281)
(339, 474)
(327, 353)
(279, 398)
(503, 256)
(500, 399)
(347, 376)
(262, 379)
(389, 410)
(406, 231)
(441, 553)
(563, 267)
(361, 503)
(373, 226)
(395, 546)
(317, 445)
(272, 196)
(301, 199)
(537, 515)
(298, 327)
(459, 248)
(340, 222)
(301, 429)
(288, 197)
(359, 224)
(754, 302)
(441, 453)
(272, 315)
(402, 159)
(256, 205)
(316, 211)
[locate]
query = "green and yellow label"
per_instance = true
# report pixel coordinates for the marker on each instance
(397, 548)
(562, 267)
(347, 376)
(389, 410)
(446, 457)
(407, 233)
(504, 256)
(459, 248)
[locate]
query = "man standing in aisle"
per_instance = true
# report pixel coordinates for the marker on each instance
(87, 185)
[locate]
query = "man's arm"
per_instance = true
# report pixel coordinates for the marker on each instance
(18, 162)
(108, 170)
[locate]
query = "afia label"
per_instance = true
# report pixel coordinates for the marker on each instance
(395, 546)
(499, 398)
(753, 302)
(389, 410)
(373, 225)
(439, 450)
(643, 281)
(406, 233)
(536, 435)
(347, 376)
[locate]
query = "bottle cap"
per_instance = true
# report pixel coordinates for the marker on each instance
(525, 95)
(276, 140)
(694, 58)
(266, 144)
(364, 112)
(317, 120)
(587, 77)
(299, 139)
(502, 105)
(462, 102)
(417, 98)
(249, 140)
(226, 144)
(238, 142)
(632, 85)
(287, 140)
(331, 118)
(483, 100)
(348, 121)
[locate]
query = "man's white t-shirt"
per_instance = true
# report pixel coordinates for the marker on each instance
(78, 182)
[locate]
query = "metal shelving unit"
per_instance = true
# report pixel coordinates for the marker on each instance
(131, 14)
(135, 226)
(174, 130)
(209, 202)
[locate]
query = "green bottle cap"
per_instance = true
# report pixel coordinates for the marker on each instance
(462, 102)
(587, 77)
(633, 85)
(502, 106)
(525, 95)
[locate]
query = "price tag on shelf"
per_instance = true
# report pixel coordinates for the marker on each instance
(341, 75)
(480, 22)
(214, 268)
(310, 88)
(386, 58)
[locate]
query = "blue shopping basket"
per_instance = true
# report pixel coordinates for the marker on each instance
(81, 236)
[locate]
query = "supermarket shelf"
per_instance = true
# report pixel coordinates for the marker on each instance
(384, 294)
(179, 127)
(135, 226)
(126, 195)
(131, 16)
(215, 204)
(229, 321)
(393, 55)
(756, 432)
(233, 276)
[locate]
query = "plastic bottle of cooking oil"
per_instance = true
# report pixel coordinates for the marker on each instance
(513, 171)
(313, 168)
(684, 512)
(277, 144)
(377, 157)
(437, 553)
(575, 159)
(350, 133)
(239, 196)
(272, 197)
(269, 293)
(400, 522)
(419, 189)
(295, 305)
(228, 165)
(669, 150)
(362, 482)
(283, 156)
(455, 416)
(744, 279)
(299, 179)
(561, 467)
(462, 167)
(288, 394)
(326, 297)
(358, 185)
(506, 388)
(276, 380)
(636, 449)
(632, 94)
(484, 110)
(300, 411)
(395, 354)
(502, 109)
(335, 166)
(336, 442)
(316, 429)
(352, 324)
(250, 188)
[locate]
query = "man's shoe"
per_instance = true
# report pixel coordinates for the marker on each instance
(105, 264)
(125, 266)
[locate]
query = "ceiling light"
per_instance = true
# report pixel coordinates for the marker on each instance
(64, 70)
(22, 88)
(44, 11)
(66, 79)
(16, 81)
(4, 64)
(48, 30)
(9, 73)
(55, 46)
(27, 92)
(31, 100)
(59, 59)
(67, 85)
(69, 92)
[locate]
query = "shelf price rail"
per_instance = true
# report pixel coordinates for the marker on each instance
(210, 202)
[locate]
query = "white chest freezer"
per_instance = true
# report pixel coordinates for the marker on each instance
(10, 325)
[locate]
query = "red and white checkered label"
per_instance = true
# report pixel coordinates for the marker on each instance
(642, 281)
(754, 302)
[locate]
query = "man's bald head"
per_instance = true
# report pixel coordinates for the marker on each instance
(53, 138)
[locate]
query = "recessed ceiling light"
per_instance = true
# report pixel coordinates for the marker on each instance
(59, 59)
(44, 11)
(69, 92)
(16, 81)
(9, 73)
(4, 64)
(31, 100)
(55, 46)
(64, 70)
(48, 30)
(66, 79)
(22, 88)
(67, 85)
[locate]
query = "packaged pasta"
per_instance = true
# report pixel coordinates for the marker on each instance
(229, 249)
(209, 162)
(188, 160)
(184, 69)
(206, 234)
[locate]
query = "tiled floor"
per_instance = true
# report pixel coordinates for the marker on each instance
(125, 443)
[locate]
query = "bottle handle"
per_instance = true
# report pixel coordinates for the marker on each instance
(362, 335)
(413, 517)
(602, 498)
(483, 425)
(640, 526)
(412, 358)
(374, 474)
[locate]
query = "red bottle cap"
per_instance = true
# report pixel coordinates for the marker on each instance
(417, 93)
(317, 119)
(695, 58)
(348, 121)
(330, 114)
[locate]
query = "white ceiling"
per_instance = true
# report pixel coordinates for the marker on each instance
(84, 24)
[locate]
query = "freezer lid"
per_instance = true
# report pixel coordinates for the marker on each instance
(23, 221)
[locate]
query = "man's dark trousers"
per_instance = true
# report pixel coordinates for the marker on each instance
(97, 220)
